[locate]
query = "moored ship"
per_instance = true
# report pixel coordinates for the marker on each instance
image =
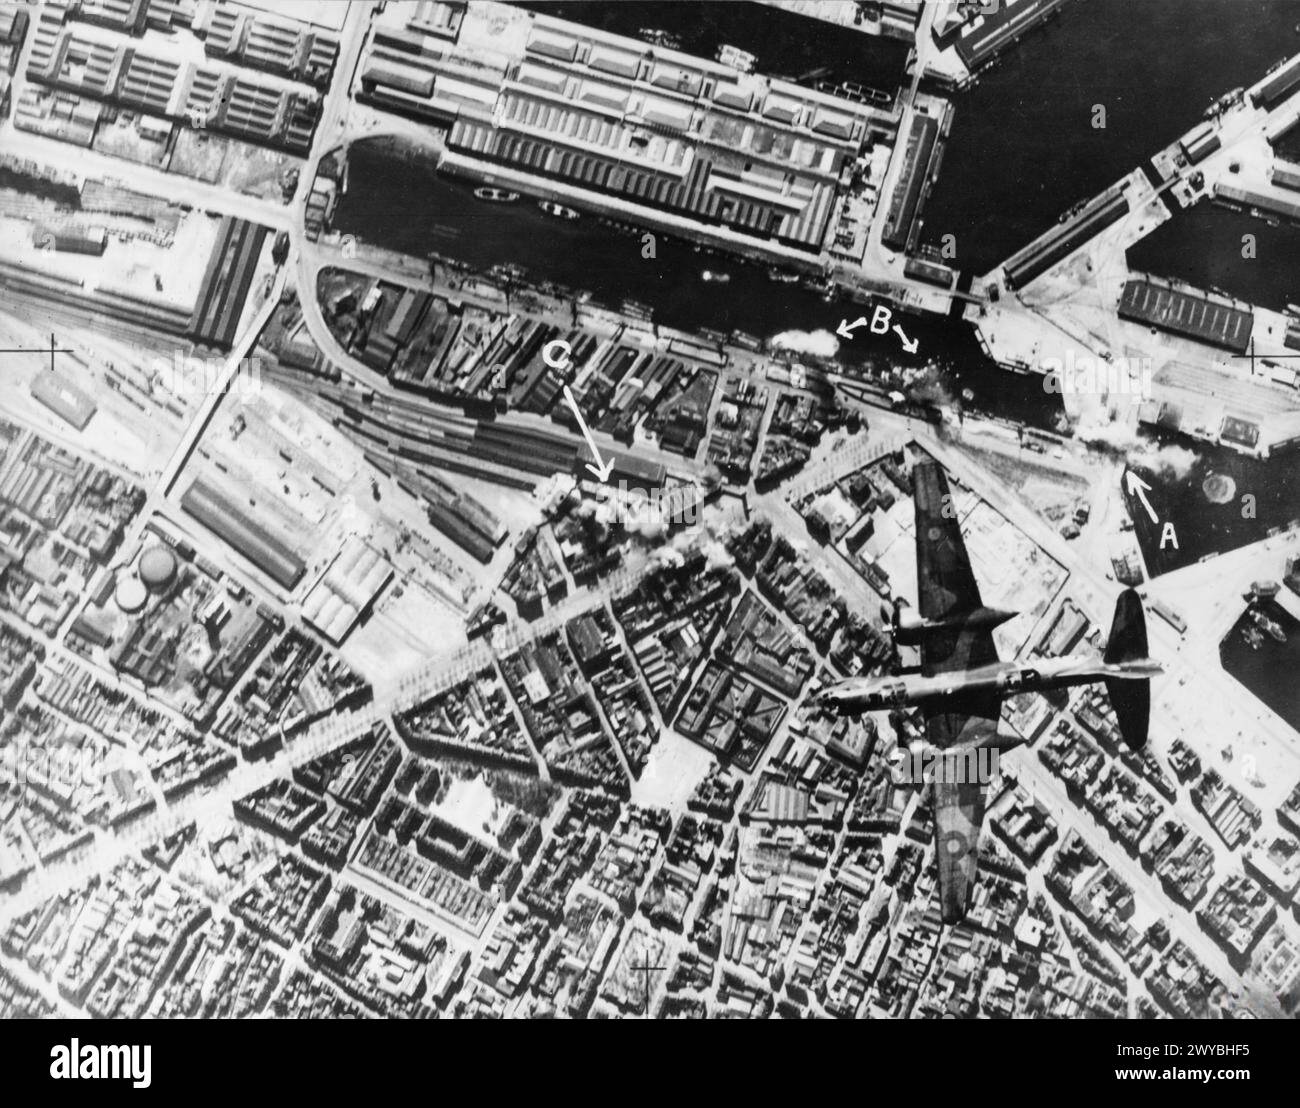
(550, 207)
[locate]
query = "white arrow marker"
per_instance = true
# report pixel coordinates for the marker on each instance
(1139, 488)
(599, 468)
(909, 345)
(845, 329)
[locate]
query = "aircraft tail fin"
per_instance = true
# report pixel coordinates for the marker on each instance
(1131, 697)
(1128, 630)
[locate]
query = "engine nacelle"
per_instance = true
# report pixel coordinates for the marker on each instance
(910, 629)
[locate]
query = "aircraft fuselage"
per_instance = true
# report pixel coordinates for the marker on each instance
(1002, 679)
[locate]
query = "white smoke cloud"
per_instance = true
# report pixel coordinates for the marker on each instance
(605, 512)
(816, 344)
(1177, 461)
(666, 557)
(1118, 438)
(716, 555)
(649, 525)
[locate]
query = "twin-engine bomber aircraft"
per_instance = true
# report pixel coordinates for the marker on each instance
(961, 682)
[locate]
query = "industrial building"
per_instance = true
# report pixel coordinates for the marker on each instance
(1245, 413)
(918, 154)
(1200, 142)
(69, 238)
(63, 398)
(1251, 200)
(347, 590)
(87, 57)
(232, 523)
(1189, 313)
(13, 30)
(930, 271)
(233, 262)
(275, 43)
(642, 124)
(211, 321)
(1285, 175)
(1064, 239)
(1278, 84)
(991, 33)
(635, 472)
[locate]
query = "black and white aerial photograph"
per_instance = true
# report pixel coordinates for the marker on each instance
(647, 510)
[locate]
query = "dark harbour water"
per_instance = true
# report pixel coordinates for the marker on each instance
(1023, 149)
(404, 204)
(1287, 144)
(1203, 246)
(1268, 672)
(1204, 527)
(785, 44)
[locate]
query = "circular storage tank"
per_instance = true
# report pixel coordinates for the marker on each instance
(157, 567)
(130, 594)
(1219, 488)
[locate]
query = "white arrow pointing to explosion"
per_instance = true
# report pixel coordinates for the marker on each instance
(845, 329)
(600, 469)
(909, 345)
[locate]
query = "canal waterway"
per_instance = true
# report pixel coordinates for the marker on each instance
(785, 44)
(398, 200)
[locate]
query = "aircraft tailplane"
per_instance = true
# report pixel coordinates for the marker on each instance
(1130, 696)
(1131, 700)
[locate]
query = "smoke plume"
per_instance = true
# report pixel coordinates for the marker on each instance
(1125, 442)
(816, 344)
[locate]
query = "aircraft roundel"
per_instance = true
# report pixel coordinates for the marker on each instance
(954, 842)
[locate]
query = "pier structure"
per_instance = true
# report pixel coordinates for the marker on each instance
(653, 137)
(1215, 366)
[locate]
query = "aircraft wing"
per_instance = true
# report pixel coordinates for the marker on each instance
(946, 587)
(944, 580)
(958, 806)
